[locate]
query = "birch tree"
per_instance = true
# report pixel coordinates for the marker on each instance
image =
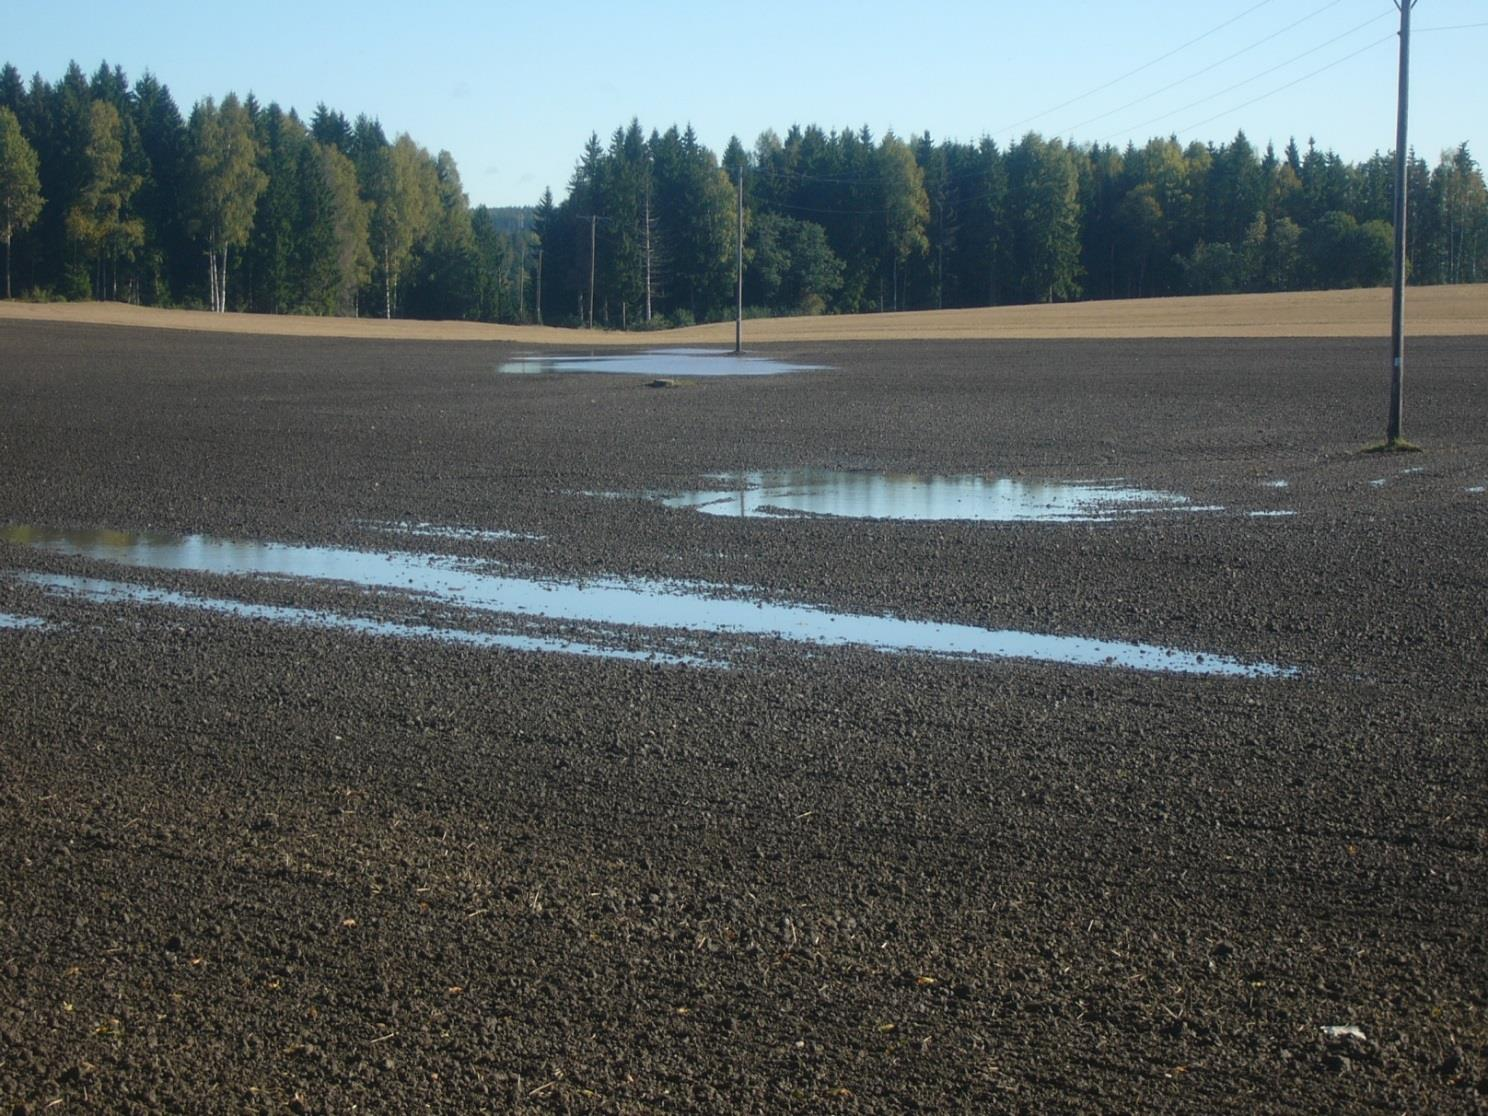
(906, 206)
(404, 191)
(225, 184)
(1456, 213)
(20, 185)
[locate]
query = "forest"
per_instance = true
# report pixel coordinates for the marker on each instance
(107, 191)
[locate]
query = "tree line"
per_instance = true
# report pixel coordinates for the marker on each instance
(838, 222)
(108, 191)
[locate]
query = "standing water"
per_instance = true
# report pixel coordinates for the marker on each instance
(658, 609)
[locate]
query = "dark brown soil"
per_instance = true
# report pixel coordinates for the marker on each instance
(249, 868)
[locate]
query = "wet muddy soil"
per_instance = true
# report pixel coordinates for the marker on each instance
(249, 865)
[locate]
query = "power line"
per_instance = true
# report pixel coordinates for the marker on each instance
(973, 174)
(830, 212)
(1132, 73)
(803, 176)
(1454, 27)
(1288, 85)
(960, 201)
(1206, 69)
(1254, 77)
(847, 180)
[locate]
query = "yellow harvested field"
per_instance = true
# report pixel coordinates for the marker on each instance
(1430, 311)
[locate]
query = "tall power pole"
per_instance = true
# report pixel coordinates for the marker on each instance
(522, 280)
(1397, 308)
(593, 219)
(648, 245)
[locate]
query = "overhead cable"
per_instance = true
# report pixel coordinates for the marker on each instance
(1132, 73)
(1206, 69)
(1288, 85)
(1453, 27)
(1254, 77)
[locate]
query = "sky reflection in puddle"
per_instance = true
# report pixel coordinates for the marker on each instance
(11, 620)
(661, 609)
(124, 592)
(656, 362)
(909, 496)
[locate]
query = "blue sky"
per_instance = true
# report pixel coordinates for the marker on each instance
(513, 90)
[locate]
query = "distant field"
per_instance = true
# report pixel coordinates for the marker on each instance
(1430, 311)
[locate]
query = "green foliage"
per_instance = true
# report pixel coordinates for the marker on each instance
(333, 205)
(223, 183)
(1452, 222)
(333, 218)
(20, 184)
(1212, 269)
(906, 206)
(1042, 198)
(1341, 253)
(98, 223)
(403, 188)
(225, 178)
(446, 282)
(792, 268)
(271, 262)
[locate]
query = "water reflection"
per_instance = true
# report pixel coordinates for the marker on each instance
(698, 363)
(861, 495)
(123, 592)
(10, 620)
(658, 609)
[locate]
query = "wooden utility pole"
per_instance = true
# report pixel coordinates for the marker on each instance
(539, 284)
(648, 246)
(1397, 306)
(940, 256)
(593, 221)
(739, 303)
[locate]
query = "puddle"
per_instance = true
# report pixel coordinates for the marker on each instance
(659, 608)
(1270, 514)
(438, 531)
(1278, 484)
(661, 363)
(1475, 489)
(202, 554)
(1380, 482)
(123, 592)
(860, 495)
(10, 620)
